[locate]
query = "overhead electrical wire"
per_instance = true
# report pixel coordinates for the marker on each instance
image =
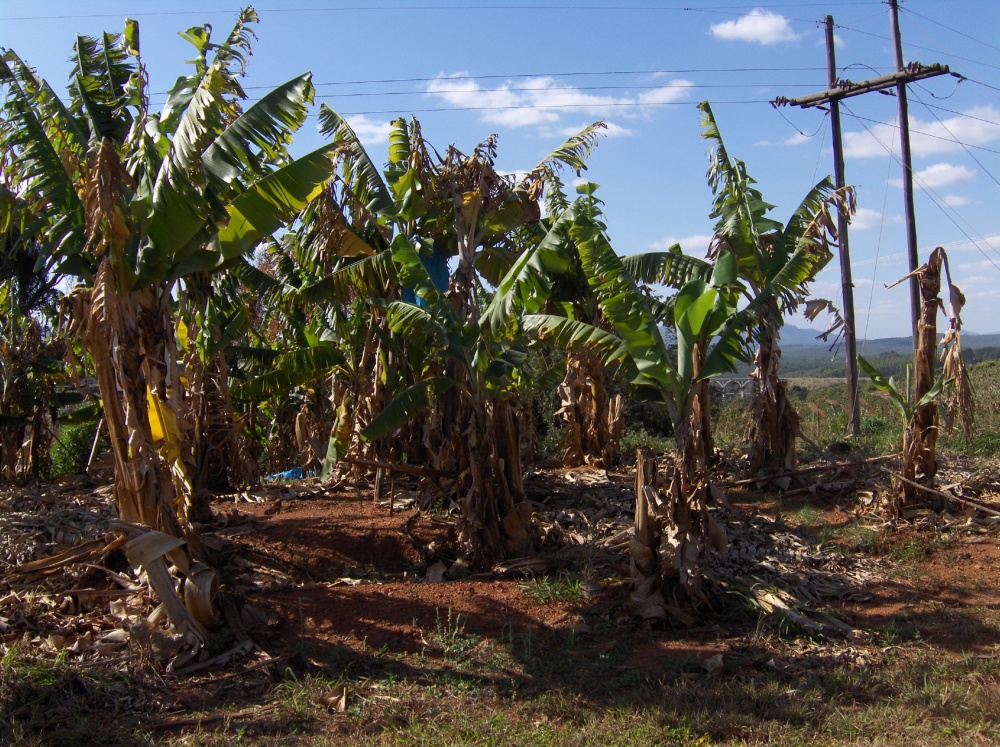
(591, 105)
(910, 45)
(932, 194)
(957, 113)
(925, 134)
(796, 128)
(507, 76)
(984, 85)
(465, 91)
(878, 252)
(912, 12)
(948, 130)
(819, 153)
(724, 9)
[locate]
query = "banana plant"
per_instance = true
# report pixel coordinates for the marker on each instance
(29, 372)
(553, 279)
(950, 392)
(475, 431)
(900, 396)
(776, 262)
(134, 202)
(708, 327)
(463, 217)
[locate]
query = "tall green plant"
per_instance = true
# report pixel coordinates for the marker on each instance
(776, 263)
(951, 390)
(134, 202)
(673, 528)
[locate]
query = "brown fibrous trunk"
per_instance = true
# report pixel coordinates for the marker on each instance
(774, 423)
(673, 531)
(593, 418)
(129, 337)
(919, 457)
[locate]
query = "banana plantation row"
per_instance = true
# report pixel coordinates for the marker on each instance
(238, 308)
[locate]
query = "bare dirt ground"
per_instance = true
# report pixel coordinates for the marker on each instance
(366, 586)
(352, 643)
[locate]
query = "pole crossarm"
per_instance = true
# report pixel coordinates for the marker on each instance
(846, 89)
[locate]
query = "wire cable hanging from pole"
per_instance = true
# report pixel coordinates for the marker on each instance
(934, 197)
(967, 151)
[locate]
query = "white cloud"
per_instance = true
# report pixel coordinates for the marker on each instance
(758, 25)
(955, 200)
(616, 130)
(939, 175)
(370, 131)
(928, 138)
(868, 218)
(543, 100)
(838, 41)
(696, 245)
(976, 269)
(668, 94)
(796, 138)
(612, 130)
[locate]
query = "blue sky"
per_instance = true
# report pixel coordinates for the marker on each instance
(535, 73)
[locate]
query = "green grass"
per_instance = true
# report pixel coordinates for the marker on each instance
(50, 701)
(450, 636)
(71, 449)
(823, 415)
(913, 696)
(862, 539)
(634, 438)
(561, 588)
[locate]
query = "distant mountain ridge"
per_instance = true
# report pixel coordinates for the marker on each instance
(804, 355)
(792, 336)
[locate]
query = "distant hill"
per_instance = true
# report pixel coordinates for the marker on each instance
(804, 355)
(794, 336)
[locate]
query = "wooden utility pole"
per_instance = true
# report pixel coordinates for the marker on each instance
(836, 91)
(846, 281)
(904, 154)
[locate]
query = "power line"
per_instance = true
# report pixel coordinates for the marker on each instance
(949, 28)
(878, 251)
(591, 105)
(580, 73)
(925, 134)
(917, 46)
(984, 85)
(796, 128)
(946, 129)
(439, 91)
(933, 195)
(724, 9)
(958, 113)
(988, 240)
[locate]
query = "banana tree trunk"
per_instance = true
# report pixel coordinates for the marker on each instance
(221, 460)
(39, 461)
(593, 420)
(495, 514)
(919, 458)
(129, 336)
(673, 531)
(774, 423)
(705, 405)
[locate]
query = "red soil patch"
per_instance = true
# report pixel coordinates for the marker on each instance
(384, 602)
